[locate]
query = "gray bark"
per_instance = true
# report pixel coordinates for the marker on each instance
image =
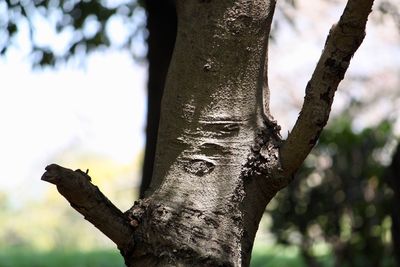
(220, 158)
(211, 115)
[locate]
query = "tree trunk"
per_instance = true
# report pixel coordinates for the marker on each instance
(198, 209)
(220, 158)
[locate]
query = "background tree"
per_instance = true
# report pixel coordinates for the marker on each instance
(161, 26)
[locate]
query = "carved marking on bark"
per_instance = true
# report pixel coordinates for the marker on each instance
(221, 128)
(213, 149)
(199, 167)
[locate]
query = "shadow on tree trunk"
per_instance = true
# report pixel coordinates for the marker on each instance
(161, 26)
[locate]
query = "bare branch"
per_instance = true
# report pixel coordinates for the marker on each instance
(87, 199)
(342, 42)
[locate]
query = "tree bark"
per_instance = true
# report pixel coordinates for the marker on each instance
(211, 116)
(220, 158)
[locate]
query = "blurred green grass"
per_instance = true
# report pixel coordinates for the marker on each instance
(286, 256)
(68, 258)
(263, 256)
(275, 256)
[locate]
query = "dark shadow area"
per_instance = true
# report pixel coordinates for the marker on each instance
(161, 26)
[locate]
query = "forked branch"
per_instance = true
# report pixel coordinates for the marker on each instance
(87, 199)
(342, 42)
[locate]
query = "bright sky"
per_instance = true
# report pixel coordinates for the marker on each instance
(98, 109)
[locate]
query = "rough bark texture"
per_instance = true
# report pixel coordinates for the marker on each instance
(211, 115)
(219, 153)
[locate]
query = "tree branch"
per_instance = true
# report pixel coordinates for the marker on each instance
(87, 199)
(342, 42)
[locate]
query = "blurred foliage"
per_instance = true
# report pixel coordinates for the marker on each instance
(271, 256)
(79, 26)
(49, 223)
(340, 198)
(82, 26)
